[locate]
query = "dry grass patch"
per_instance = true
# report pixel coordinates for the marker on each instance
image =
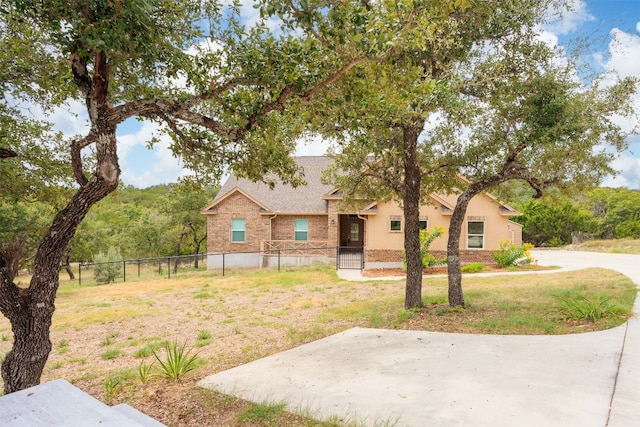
(249, 314)
(614, 246)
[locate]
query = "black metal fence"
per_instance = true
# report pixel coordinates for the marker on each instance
(349, 257)
(123, 270)
(111, 271)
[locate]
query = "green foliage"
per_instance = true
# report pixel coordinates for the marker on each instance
(580, 307)
(474, 267)
(63, 346)
(148, 349)
(177, 360)
(145, 223)
(144, 371)
(426, 238)
(616, 212)
(111, 353)
(601, 213)
(263, 414)
(105, 267)
(509, 255)
(203, 338)
(22, 225)
(551, 221)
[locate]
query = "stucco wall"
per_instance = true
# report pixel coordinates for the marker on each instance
(497, 227)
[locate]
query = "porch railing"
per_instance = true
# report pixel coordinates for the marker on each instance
(298, 247)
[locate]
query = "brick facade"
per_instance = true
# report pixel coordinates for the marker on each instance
(283, 227)
(236, 206)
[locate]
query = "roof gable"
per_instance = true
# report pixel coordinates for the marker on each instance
(212, 207)
(284, 198)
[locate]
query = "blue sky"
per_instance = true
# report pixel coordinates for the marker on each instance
(613, 28)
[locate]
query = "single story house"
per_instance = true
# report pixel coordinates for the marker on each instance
(254, 225)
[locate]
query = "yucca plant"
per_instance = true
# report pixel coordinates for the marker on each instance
(177, 360)
(144, 371)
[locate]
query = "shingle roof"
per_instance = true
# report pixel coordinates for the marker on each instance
(284, 198)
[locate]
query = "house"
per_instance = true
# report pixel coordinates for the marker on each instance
(254, 225)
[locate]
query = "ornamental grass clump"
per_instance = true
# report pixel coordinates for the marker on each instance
(591, 309)
(177, 360)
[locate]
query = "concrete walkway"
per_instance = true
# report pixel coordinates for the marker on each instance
(413, 378)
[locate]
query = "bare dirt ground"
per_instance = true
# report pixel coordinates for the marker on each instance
(102, 334)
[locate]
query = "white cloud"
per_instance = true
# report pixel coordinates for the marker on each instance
(624, 53)
(569, 20)
(629, 173)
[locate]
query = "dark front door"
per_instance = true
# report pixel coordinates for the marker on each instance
(351, 231)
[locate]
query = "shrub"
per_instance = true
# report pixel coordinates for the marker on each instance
(105, 267)
(509, 255)
(472, 268)
(426, 238)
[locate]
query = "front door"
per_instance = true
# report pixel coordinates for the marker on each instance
(351, 231)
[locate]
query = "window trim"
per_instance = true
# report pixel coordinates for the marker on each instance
(237, 230)
(296, 230)
(398, 219)
(484, 232)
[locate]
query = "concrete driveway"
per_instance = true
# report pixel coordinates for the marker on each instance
(412, 378)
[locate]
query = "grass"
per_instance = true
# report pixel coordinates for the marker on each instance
(614, 246)
(255, 313)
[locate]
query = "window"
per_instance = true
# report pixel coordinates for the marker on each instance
(395, 223)
(237, 230)
(475, 234)
(424, 222)
(354, 232)
(301, 229)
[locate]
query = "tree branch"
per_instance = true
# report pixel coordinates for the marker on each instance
(6, 153)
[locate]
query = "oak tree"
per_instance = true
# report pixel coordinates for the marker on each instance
(379, 114)
(220, 90)
(528, 117)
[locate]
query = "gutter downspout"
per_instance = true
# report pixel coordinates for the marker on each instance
(364, 242)
(262, 262)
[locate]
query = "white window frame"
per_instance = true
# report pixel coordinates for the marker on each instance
(397, 219)
(424, 220)
(475, 235)
(297, 229)
(234, 229)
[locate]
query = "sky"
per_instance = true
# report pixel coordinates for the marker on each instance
(611, 26)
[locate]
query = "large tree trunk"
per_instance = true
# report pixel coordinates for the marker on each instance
(453, 249)
(30, 310)
(411, 201)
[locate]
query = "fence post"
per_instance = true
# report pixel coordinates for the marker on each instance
(278, 259)
(223, 263)
(79, 274)
(168, 268)
(138, 267)
(124, 271)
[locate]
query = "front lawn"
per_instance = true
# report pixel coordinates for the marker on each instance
(103, 335)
